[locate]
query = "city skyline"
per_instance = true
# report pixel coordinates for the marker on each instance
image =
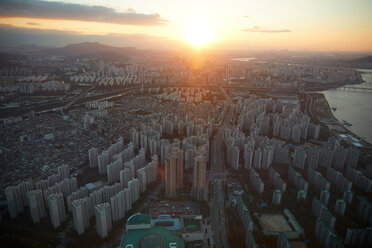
(209, 124)
(213, 25)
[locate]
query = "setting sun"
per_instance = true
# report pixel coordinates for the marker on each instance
(199, 33)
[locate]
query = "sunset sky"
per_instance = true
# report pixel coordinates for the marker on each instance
(317, 25)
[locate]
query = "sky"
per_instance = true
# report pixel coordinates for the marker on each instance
(314, 25)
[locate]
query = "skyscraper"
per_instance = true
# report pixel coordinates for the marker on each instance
(134, 137)
(113, 171)
(257, 158)
(63, 171)
(133, 186)
(227, 76)
(37, 208)
(141, 175)
(199, 184)
(14, 199)
(128, 199)
(125, 177)
(56, 209)
(267, 157)
(93, 157)
(103, 161)
(173, 171)
(25, 187)
(80, 214)
(248, 157)
(299, 158)
(118, 203)
(103, 219)
(235, 158)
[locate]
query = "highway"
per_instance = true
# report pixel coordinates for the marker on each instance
(83, 97)
(64, 105)
(217, 177)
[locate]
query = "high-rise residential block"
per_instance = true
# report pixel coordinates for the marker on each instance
(133, 186)
(103, 219)
(173, 171)
(248, 157)
(257, 158)
(36, 204)
(93, 157)
(118, 203)
(56, 209)
(125, 176)
(141, 175)
(235, 158)
(14, 199)
(277, 196)
(63, 172)
(103, 160)
(80, 214)
(299, 158)
(113, 170)
(199, 179)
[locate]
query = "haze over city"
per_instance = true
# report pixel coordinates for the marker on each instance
(184, 124)
(331, 25)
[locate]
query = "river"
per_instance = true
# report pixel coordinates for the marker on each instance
(245, 59)
(354, 107)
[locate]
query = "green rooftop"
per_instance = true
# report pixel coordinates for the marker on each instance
(192, 226)
(156, 237)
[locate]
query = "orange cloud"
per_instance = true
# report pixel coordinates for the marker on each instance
(78, 12)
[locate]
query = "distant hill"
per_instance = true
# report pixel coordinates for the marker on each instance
(109, 55)
(91, 49)
(366, 59)
(361, 63)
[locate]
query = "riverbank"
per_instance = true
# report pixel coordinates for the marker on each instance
(327, 86)
(352, 106)
(325, 116)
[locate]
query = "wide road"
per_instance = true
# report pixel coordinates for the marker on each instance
(217, 177)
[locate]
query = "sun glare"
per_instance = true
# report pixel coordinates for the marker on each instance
(199, 33)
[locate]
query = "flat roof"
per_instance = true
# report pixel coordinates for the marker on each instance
(165, 220)
(274, 223)
(155, 237)
(139, 218)
(90, 186)
(192, 224)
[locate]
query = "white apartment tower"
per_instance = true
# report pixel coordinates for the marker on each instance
(173, 171)
(199, 183)
(103, 219)
(56, 209)
(36, 203)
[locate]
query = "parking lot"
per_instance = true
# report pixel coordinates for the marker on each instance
(174, 208)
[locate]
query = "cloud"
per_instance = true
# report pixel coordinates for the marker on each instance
(15, 36)
(77, 12)
(33, 23)
(259, 29)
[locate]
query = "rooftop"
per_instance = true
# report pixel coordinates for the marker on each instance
(155, 237)
(139, 218)
(191, 224)
(165, 220)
